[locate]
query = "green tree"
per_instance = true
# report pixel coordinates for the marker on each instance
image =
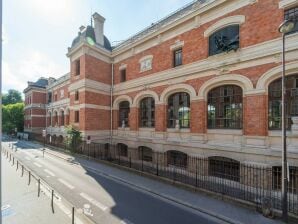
(74, 138)
(12, 97)
(12, 117)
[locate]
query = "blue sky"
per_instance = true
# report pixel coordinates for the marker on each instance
(37, 33)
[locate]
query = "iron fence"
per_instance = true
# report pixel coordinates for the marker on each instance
(252, 183)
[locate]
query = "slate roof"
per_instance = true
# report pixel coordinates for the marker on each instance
(41, 83)
(89, 32)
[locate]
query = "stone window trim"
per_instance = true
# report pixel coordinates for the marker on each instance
(228, 21)
(122, 67)
(177, 45)
(287, 4)
(148, 60)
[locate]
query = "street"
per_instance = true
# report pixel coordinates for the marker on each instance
(103, 199)
(20, 202)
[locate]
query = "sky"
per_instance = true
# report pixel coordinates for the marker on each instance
(37, 33)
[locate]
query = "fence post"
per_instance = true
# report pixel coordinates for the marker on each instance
(12, 161)
(129, 161)
(17, 165)
(142, 159)
(29, 178)
(157, 165)
(22, 171)
(73, 216)
(38, 193)
(196, 172)
(52, 202)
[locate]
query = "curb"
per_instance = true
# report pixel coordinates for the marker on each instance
(169, 198)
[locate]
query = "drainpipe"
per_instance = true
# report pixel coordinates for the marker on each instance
(111, 104)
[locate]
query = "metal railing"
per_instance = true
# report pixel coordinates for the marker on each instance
(75, 214)
(255, 184)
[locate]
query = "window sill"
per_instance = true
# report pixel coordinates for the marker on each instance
(183, 130)
(225, 131)
(146, 129)
(123, 129)
(277, 133)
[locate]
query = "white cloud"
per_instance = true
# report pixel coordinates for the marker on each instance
(33, 65)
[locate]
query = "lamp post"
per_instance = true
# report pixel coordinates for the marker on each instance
(286, 27)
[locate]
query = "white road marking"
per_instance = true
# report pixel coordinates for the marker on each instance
(126, 221)
(94, 202)
(66, 184)
(37, 164)
(27, 157)
(49, 172)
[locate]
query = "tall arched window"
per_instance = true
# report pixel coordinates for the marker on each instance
(179, 110)
(147, 112)
(62, 118)
(225, 107)
(291, 100)
(123, 114)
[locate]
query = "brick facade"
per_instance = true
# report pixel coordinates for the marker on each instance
(252, 67)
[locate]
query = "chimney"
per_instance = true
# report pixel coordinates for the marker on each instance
(98, 28)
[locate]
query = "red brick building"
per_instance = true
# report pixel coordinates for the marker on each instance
(203, 81)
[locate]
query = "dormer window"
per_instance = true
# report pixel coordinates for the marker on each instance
(224, 40)
(146, 63)
(292, 14)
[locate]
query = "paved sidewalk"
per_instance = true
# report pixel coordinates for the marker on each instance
(197, 200)
(20, 202)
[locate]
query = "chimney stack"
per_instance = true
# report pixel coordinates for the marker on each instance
(98, 28)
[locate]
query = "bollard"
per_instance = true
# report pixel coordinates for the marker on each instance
(38, 193)
(73, 216)
(17, 165)
(52, 201)
(12, 161)
(29, 178)
(9, 157)
(22, 171)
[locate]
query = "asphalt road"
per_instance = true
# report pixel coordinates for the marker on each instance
(109, 200)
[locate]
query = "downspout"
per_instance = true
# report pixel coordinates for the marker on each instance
(111, 105)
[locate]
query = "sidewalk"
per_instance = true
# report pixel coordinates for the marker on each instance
(227, 211)
(20, 202)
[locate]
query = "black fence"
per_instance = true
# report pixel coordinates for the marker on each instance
(252, 183)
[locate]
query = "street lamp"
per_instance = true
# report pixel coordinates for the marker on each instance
(284, 28)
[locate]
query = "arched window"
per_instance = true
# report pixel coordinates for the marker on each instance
(147, 112)
(224, 40)
(176, 158)
(62, 118)
(122, 149)
(224, 168)
(225, 107)
(291, 101)
(145, 153)
(179, 110)
(123, 114)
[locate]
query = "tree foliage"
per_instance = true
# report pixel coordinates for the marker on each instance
(12, 97)
(74, 138)
(12, 117)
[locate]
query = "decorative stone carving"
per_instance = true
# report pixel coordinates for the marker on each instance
(295, 125)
